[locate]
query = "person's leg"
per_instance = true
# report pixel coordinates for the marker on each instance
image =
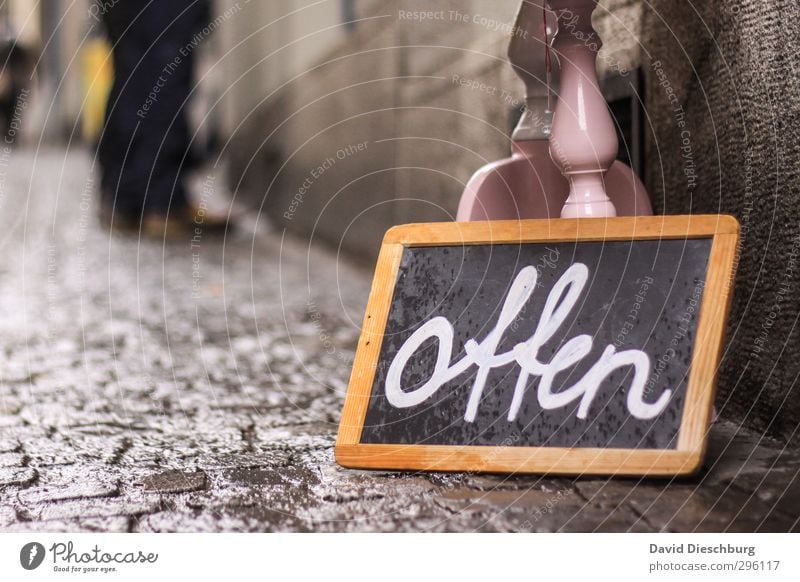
(146, 140)
(164, 145)
(118, 135)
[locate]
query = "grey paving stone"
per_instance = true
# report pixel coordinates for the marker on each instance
(114, 524)
(17, 476)
(12, 459)
(81, 489)
(173, 482)
(9, 445)
(85, 508)
(8, 515)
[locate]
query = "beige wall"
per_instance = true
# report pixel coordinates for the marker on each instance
(56, 100)
(263, 44)
(74, 29)
(388, 83)
(24, 18)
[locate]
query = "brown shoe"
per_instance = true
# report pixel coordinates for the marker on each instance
(190, 223)
(208, 221)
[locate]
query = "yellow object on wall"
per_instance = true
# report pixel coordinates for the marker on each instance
(97, 76)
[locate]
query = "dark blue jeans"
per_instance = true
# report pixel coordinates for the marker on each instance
(145, 147)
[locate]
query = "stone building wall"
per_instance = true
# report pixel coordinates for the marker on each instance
(432, 98)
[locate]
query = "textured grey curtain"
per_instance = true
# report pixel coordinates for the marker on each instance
(723, 99)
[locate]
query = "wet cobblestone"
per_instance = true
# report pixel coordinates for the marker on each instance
(177, 387)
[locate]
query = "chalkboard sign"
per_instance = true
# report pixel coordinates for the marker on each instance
(584, 346)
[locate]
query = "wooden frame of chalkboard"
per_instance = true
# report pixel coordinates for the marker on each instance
(684, 458)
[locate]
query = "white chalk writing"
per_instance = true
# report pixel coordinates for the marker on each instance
(560, 302)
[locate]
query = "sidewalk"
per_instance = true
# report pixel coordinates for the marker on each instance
(146, 387)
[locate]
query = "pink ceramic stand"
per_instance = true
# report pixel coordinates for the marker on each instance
(529, 184)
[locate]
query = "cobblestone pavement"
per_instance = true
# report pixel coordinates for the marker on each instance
(151, 387)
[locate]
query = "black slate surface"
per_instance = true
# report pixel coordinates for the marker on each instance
(468, 285)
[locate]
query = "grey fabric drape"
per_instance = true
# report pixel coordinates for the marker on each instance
(727, 142)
